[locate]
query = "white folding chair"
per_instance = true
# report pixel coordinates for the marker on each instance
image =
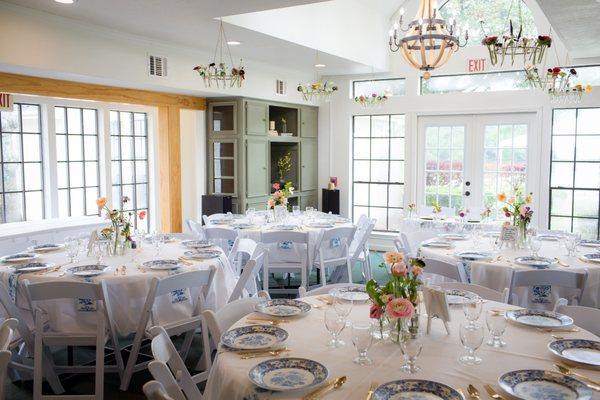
(587, 318)
(241, 251)
(412, 241)
(399, 245)
(154, 390)
(19, 363)
(333, 238)
(325, 289)
(359, 247)
(195, 228)
(186, 283)
(207, 219)
(551, 277)
(7, 331)
(221, 237)
(454, 271)
(288, 241)
(41, 293)
(164, 351)
(228, 315)
(482, 291)
(250, 271)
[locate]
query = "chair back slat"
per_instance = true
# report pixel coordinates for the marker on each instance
(359, 242)
(482, 291)
(185, 280)
(250, 271)
(63, 290)
(154, 390)
(161, 372)
(448, 270)
(284, 236)
(549, 277)
(228, 315)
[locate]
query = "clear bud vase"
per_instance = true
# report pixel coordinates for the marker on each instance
(380, 328)
(522, 240)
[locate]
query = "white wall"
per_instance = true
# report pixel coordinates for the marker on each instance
(193, 163)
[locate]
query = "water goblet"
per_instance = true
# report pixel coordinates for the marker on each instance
(335, 324)
(296, 211)
(476, 238)
(342, 306)
(535, 244)
(411, 346)
(472, 310)
(496, 324)
(571, 244)
(157, 240)
(72, 247)
(471, 337)
(362, 340)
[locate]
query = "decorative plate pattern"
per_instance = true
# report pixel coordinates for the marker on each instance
(453, 236)
(242, 225)
(539, 318)
(535, 384)
(44, 248)
(196, 244)
(473, 255)
(283, 307)
(283, 227)
(592, 257)
(32, 267)
(590, 243)
(202, 254)
(535, 262)
(457, 296)
(415, 389)
(254, 337)
(19, 257)
(353, 293)
(283, 374)
(444, 244)
(320, 225)
(162, 264)
(87, 270)
(577, 350)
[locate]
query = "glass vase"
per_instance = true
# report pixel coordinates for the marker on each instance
(381, 328)
(522, 239)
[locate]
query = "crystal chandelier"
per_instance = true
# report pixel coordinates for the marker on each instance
(557, 83)
(429, 41)
(219, 73)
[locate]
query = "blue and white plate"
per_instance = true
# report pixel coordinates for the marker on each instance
(283, 374)
(162, 265)
(196, 244)
(221, 221)
(473, 255)
(33, 267)
(453, 236)
(350, 293)
(202, 254)
(19, 258)
(592, 257)
(242, 225)
(539, 318)
(590, 243)
(549, 237)
(46, 248)
(283, 307)
(254, 337)
(283, 227)
(442, 244)
(415, 389)
(458, 297)
(580, 351)
(87, 270)
(535, 262)
(323, 225)
(535, 384)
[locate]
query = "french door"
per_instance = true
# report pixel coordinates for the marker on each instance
(466, 160)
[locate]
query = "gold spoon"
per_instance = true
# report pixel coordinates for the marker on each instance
(336, 384)
(567, 371)
(473, 392)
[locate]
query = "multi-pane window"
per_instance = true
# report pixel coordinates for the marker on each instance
(575, 171)
(472, 83)
(395, 87)
(77, 174)
(21, 188)
(129, 158)
(378, 169)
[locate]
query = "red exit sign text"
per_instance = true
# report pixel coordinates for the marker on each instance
(477, 65)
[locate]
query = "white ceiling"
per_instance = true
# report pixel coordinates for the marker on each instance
(191, 23)
(577, 24)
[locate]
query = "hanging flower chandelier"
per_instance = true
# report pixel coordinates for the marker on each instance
(374, 100)
(557, 83)
(429, 41)
(219, 73)
(319, 88)
(511, 45)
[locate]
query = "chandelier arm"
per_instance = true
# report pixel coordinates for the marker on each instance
(228, 49)
(441, 54)
(217, 45)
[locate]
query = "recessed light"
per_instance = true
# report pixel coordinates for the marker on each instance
(234, 43)
(65, 1)
(320, 65)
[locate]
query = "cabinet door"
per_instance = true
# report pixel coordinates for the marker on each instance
(257, 178)
(256, 118)
(308, 164)
(222, 118)
(309, 122)
(308, 201)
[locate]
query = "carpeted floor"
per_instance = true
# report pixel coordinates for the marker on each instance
(84, 384)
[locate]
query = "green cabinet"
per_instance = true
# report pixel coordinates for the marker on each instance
(308, 122)
(257, 174)
(308, 164)
(309, 200)
(256, 118)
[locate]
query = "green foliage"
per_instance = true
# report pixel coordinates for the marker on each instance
(284, 165)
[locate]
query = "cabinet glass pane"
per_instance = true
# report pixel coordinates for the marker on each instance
(224, 168)
(223, 150)
(223, 118)
(223, 186)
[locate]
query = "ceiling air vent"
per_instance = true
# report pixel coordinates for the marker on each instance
(280, 87)
(157, 66)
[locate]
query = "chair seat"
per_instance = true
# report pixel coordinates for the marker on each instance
(71, 339)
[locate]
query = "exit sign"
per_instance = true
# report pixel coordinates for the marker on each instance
(477, 65)
(6, 102)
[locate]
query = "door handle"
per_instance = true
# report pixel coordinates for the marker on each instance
(467, 193)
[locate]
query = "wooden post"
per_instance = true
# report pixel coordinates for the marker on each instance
(169, 163)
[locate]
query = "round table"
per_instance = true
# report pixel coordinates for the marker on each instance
(497, 274)
(127, 291)
(526, 348)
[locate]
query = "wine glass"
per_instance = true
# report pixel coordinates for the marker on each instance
(471, 337)
(472, 310)
(362, 340)
(571, 244)
(296, 211)
(72, 247)
(411, 346)
(476, 238)
(157, 240)
(342, 306)
(535, 244)
(335, 324)
(496, 324)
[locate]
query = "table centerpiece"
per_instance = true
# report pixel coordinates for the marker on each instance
(519, 209)
(121, 222)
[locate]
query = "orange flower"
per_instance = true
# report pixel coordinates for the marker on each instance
(101, 202)
(393, 257)
(588, 88)
(502, 197)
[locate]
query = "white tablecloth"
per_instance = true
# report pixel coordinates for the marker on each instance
(439, 359)
(497, 274)
(127, 293)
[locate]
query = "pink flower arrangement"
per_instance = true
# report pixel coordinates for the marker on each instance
(399, 308)
(376, 311)
(393, 257)
(399, 269)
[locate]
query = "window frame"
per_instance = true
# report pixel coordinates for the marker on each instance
(354, 82)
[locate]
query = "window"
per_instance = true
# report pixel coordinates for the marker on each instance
(575, 171)
(129, 156)
(378, 169)
(380, 86)
(21, 189)
(469, 83)
(77, 165)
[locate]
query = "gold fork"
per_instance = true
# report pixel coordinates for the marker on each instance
(273, 353)
(372, 389)
(492, 393)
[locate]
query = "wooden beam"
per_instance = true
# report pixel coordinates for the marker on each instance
(169, 161)
(22, 84)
